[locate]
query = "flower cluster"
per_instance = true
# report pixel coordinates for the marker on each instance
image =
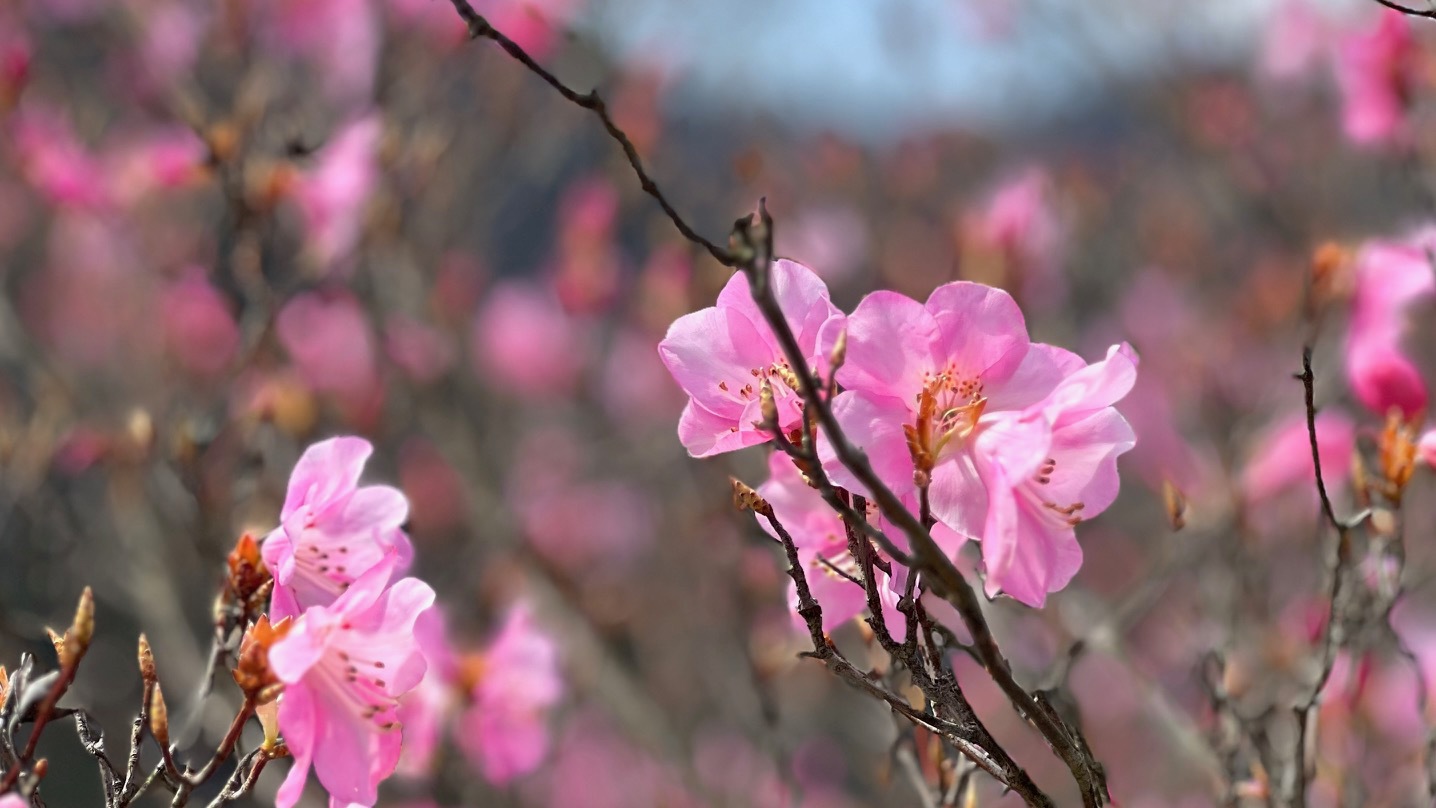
(350, 653)
(1012, 442)
(358, 651)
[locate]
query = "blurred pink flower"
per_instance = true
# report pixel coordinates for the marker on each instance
(13, 801)
(588, 265)
(1019, 227)
(170, 37)
(585, 525)
(53, 160)
(345, 666)
(419, 350)
(332, 530)
(832, 240)
(596, 767)
(341, 38)
(329, 339)
(332, 194)
(1374, 71)
(1390, 278)
(1426, 448)
(92, 303)
(437, 497)
(158, 159)
(1295, 39)
(505, 732)
(199, 328)
(523, 342)
(1281, 457)
(1051, 467)
(635, 386)
(720, 355)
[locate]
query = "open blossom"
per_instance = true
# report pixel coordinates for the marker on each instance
(333, 530)
(505, 732)
(1051, 466)
(344, 667)
(1374, 71)
(1390, 278)
(721, 355)
(919, 379)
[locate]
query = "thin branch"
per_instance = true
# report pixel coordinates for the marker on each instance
(1413, 12)
(591, 101)
(1308, 382)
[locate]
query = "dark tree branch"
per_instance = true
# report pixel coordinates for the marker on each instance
(1429, 13)
(591, 101)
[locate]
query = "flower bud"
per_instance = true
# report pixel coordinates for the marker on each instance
(745, 498)
(159, 717)
(82, 630)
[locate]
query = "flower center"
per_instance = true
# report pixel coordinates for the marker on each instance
(1062, 516)
(948, 409)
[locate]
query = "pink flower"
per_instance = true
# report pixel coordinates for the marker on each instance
(54, 161)
(332, 530)
(333, 194)
(1050, 467)
(1374, 71)
(1390, 278)
(506, 733)
(1296, 36)
(418, 349)
(1020, 231)
(1426, 448)
(920, 378)
(158, 159)
(330, 341)
(721, 355)
(199, 327)
(345, 666)
(339, 37)
(525, 343)
(1281, 458)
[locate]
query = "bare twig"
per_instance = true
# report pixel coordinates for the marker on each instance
(1429, 13)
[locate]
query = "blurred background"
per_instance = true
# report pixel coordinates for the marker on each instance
(230, 229)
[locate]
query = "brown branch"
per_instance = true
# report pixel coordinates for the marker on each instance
(966, 733)
(591, 101)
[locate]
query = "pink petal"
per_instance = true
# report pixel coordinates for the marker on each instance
(326, 470)
(297, 722)
(892, 346)
(983, 332)
(874, 424)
